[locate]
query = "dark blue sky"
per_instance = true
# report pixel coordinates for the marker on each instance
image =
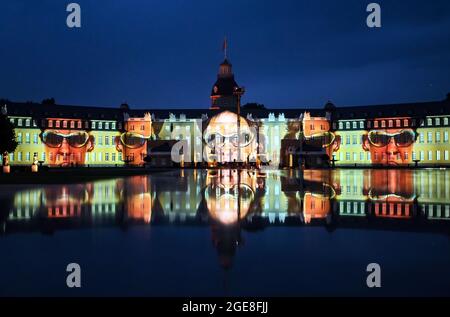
(166, 53)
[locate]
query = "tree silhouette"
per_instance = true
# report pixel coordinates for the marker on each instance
(8, 141)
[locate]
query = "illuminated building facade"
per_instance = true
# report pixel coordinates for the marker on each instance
(380, 135)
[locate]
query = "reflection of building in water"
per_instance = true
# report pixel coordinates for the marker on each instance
(270, 198)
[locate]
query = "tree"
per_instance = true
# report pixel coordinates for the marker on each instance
(8, 141)
(254, 105)
(49, 101)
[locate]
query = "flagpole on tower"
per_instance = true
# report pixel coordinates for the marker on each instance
(225, 46)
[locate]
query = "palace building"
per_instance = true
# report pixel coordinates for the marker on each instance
(409, 134)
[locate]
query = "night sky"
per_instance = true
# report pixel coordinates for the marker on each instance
(165, 54)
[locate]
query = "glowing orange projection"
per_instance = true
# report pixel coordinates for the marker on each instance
(138, 198)
(221, 195)
(316, 131)
(66, 147)
(391, 146)
(392, 193)
(221, 137)
(133, 142)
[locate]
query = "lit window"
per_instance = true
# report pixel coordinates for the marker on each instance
(57, 123)
(391, 123)
(421, 137)
(361, 124)
(19, 138)
(430, 137)
(107, 125)
(100, 125)
(113, 125)
(383, 124)
(429, 122)
(50, 123)
(397, 123)
(438, 121)
(341, 126)
(445, 121)
(355, 124)
(347, 125)
(405, 122)
(64, 124)
(19, 122)
(27, 122)
(375, 124)
(430, 155)
(438, 137)
(27, 156)
(438, 155)
(445, 136)
(35, 138)
(93, 124)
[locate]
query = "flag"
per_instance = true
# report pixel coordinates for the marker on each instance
(225, 46)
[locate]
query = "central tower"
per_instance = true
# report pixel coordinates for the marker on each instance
(223, 92)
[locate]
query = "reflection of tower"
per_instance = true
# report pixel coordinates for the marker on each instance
(226, 239)
(222, 94)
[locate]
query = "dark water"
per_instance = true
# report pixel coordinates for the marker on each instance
(183, 233)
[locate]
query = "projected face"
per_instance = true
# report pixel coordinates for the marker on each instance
(391, 186)
(326, 139)
(390, 146)
(221, 195)
(223, 140)
(133, 146)
(67, 147)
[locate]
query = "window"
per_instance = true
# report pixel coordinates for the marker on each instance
(113, 157)
(355, 125)
(375, 124)
(405, 156)
(430, 137)
(100, 125)
(100, 157)
(429, 122)
(446, 155)
(430, 155)
(79, 124)
(11, 120)
(369, 124)
(72, 124)
(437, 121)
(100, 140)
(27, 138)
(422, 156)
(58, 124)
(414, 156)
(438, 137)
(421, 137)
(143, 127)
(43, 156)
(19, 156)
(355, 156)
(50, 123)
(93, 124)
(347, 125)
(397, 123)
(11, 157)
(27, 156)
(106, 140)
(390, 123)
(19, 122)
(341, 125)
(383, 124)
(35, 138)
(347, 156)
(361, 124)
(445, 121)
(27, 122)
(311, 126)
(113, 125)
(64, 124)
(19, 138)
(438, 155)
(446, 136)
(347, 139)
(405, 122)
(361, 156)
(106, 156)
(107, 125)
(354, 139)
